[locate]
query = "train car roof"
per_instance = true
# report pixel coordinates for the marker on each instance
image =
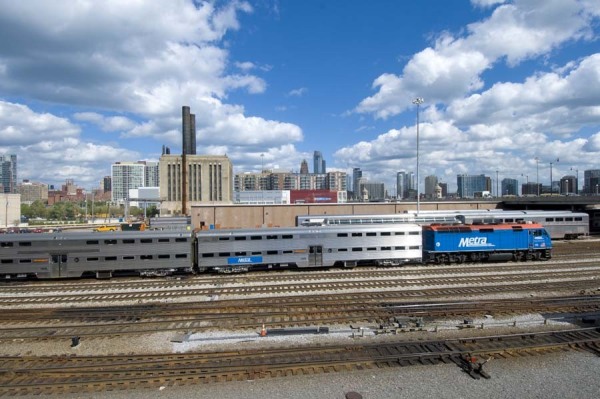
(87, 235)
(303, 229)
(477, 227)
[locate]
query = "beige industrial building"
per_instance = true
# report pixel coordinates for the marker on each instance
(271, 215)
(10, 210)
(209, 181)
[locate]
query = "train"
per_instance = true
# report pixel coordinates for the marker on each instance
(163, 253)
(559, 224)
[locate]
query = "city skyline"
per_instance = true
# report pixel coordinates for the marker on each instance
(508, 86)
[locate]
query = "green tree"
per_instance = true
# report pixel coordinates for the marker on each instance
(38, 209)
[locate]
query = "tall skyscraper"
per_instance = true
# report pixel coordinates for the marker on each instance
(304, 167)
(8, 174)
(402, 185)
(591, 181)
(188, 130)
(319, 163)
(356, 176)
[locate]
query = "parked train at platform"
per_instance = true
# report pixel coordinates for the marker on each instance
(559, 224)
(160, 253)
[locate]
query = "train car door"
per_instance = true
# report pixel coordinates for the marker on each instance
(315, 255)
(58, 266)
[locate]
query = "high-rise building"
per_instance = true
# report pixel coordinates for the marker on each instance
(132, 175)
(188, 130)
(304, 167)
(402, 185)
(568, 185)
(591, 181)
(106, 184)
(431, 183)
(209, 180)
(356, 176)
(8, 174)
(509, 187)
(469, 185)
(319, 163)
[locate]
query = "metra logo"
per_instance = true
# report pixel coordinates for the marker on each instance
(474, 242)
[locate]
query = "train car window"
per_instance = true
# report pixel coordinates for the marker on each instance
(226, 254)
(6, 244)
(549, 219)
(128, 257)
(165, 256)
(385, 233)
(110, 258)
(414, 233)
(271, 237)
(256, 237)
(288, 252)
(356, 234)
(223, 238)
(357, 249)
(371, 249)
(342, 234)
(94, 259)
(181, 239)
(386, 248)
(271, 252)
(146, 240)
(161, 240)
(24, 260)
(92, 242)
(537, 233)
(414, 247)
(146, 257)
(25, 244)
(208, 255)
(509, 220)
(342, 250)
(559, 219)
(241, 253)
(256, 253)
(399, 233)
(128, 241)
(110, 242)
(399, 248)
(578, 219)
(568, 219)
(287, 236)
(6, 261)
(180, 256)
(240, 238)
(371, 234)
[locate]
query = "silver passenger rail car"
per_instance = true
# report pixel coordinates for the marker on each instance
(345, 220)
(101, 254)
(559, 224)
(229, 251)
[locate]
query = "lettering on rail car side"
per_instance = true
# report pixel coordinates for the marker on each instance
(474, 242)
(244, 260)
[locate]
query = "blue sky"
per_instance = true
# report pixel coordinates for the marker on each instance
(89, 83)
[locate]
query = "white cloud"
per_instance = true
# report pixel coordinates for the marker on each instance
(298, 92)
(454, 66)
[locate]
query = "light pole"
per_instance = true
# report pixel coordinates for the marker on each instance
(551, 185)
(537, 175)
(262, 163)
(418, 101)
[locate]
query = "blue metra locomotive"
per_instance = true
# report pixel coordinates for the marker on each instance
(474, 243)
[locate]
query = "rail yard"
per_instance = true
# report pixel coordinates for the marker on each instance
(85, 336)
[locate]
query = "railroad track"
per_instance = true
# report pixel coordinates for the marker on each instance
(586, 277)
(63, 324)
(75, 374)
